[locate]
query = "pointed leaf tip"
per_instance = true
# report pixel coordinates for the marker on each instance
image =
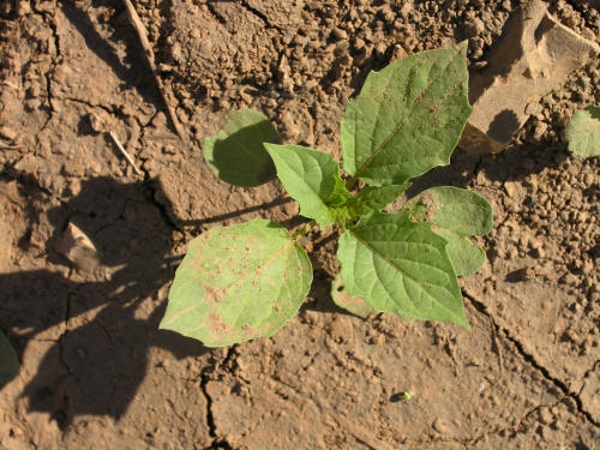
(408, 117)
(401, 267)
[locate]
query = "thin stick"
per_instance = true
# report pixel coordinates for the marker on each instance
(137, 24)
(9, 146)
(129, 159)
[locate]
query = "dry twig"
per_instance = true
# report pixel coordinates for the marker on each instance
(167, 95)
(127, 156)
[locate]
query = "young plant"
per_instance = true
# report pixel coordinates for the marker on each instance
(583, 132)
(246, 281)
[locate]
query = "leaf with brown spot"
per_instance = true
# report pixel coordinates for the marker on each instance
(342, 298)
(238, 283)
(456, 214)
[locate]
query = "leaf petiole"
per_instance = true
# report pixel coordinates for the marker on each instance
(304, 229)
(351, 182)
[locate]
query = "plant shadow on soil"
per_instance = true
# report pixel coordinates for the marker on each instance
(97, 359)
(101, 321)
(516, 163)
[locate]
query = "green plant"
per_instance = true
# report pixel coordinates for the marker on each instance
(9, 363)
(583, 132)
(245, 281)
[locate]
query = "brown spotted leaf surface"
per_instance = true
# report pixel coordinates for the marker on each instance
(456, 215)
(238, 283)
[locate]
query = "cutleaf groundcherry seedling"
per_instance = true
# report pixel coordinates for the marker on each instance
(246, 281)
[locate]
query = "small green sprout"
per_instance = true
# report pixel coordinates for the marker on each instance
(583, 132)
(405, 396)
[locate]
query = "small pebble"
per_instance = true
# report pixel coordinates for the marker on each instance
(473, 28)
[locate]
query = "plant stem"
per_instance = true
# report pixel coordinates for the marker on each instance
(351, 182)
(305, 229)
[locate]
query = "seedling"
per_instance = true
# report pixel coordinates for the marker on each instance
(583, 132)
(402, 397)
(246, 281)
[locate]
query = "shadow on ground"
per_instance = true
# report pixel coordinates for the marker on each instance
(100, 321)
(517, 163)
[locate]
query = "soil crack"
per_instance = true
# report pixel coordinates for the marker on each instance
(259, 14)
(164, 210)
(60, 341)
(591, 369)
(55, 59)
(92, 105)
(206, 376)
(530, 359)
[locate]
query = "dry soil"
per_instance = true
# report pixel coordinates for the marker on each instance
(95, 370)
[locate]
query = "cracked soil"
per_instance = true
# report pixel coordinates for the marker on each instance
(95, 370)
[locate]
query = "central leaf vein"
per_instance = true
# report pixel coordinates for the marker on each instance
(409, 114)
(390, 261)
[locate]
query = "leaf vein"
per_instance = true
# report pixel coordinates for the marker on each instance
(406, 117)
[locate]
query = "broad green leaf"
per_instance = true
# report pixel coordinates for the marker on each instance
(312, 178)
(238, 283)
(466, 256)
(9, 363)
(464, 212)
(400, 266)
(342, 298)
(408, 117)
(583, 132)
(374, 199)
(236, 154)
(456, 214)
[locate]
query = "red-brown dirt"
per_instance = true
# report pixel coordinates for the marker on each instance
(95, 370)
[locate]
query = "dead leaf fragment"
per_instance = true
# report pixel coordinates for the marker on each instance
(74, 245)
